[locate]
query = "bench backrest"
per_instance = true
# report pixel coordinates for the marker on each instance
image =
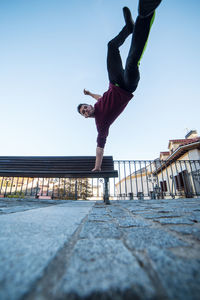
(55, 166)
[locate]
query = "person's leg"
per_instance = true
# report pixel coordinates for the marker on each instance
(147, 7)
(114, 62)
(138, 45)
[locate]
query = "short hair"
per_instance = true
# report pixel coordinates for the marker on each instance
(79, 107)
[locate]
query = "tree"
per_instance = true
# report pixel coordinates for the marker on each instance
(72, 188)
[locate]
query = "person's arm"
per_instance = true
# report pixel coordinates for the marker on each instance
(99, 158)
(101, 141)
(95, 96)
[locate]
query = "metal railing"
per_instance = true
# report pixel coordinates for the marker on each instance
(137, 180)
(157, 179)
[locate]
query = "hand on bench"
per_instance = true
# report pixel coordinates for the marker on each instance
(96, 170)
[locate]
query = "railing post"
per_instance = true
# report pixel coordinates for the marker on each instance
(106, 194)
(76, 192)
(131, 196)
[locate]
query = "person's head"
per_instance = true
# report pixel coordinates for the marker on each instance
(86, 110)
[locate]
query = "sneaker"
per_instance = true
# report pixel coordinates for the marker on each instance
(147, 7)
(128, 18)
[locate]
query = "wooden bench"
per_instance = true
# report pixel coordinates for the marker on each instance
(58, 167)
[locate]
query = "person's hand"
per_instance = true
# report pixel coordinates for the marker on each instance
(96, 170)
(86, 92)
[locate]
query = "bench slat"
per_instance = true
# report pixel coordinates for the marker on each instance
(55, 166)
(60, 174)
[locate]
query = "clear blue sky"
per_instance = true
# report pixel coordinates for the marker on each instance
(51, 50)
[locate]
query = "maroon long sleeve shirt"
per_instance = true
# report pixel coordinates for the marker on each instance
(107, 109)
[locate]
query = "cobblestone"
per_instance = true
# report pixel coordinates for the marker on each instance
(181, 220)
(180, 276)
(114, 268)
(144, 238)
(78, 250)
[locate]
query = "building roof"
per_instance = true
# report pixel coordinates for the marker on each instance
(165, 153)
(190, 141)
(184, 141)
(182, 149)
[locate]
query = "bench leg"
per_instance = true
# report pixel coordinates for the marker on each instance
(106, 195)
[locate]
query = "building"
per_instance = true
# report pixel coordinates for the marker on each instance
(176, 173)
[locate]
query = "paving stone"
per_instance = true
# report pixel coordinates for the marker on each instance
(99, 217)
(117, 212)
(99, 214)
(180, 277)
(181, 220)
(99, 210)
(187, 253)
(107, 267)
(183, 210)
(138, 212)
(28, 242)
(156, 206)
(159, 215)
(131, 222)
(100, 230)
(194, 231)
(196, 217)
(144, 238)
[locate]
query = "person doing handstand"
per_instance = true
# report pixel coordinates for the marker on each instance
(123, 82)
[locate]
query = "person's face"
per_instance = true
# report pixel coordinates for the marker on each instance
(87, 110)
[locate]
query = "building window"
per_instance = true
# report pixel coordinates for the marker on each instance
(179, 181)
(163, 185)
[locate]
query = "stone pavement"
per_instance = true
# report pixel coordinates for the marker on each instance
(137, 249)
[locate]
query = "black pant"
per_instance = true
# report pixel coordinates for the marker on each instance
(129, 77)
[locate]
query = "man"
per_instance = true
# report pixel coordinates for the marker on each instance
(123, 82)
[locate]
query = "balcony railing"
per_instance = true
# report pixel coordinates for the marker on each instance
(144, 179)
